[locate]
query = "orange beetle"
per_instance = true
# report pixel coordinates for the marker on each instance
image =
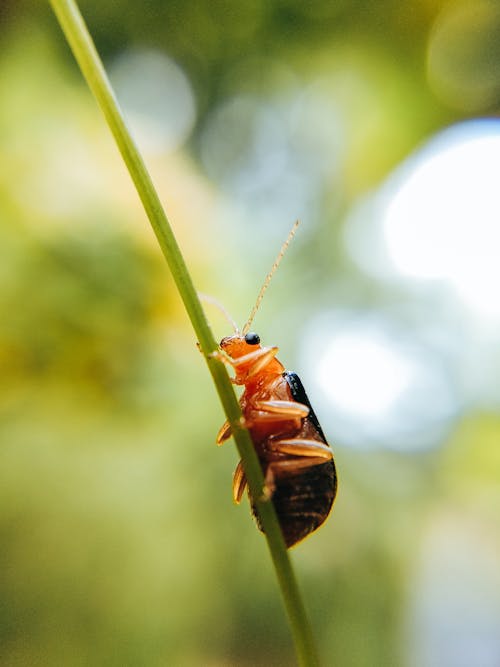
(296, 460)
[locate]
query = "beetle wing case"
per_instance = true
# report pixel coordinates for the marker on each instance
(299, 395)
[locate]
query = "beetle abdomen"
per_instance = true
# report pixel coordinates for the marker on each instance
(303, 501)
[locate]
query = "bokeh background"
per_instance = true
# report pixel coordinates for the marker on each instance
(375, 124)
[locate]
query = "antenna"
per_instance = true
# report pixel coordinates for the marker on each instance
(218, 304)
(265, 285)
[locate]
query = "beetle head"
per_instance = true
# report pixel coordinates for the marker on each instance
(237, 345)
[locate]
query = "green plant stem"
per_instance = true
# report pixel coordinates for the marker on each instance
(83, 48)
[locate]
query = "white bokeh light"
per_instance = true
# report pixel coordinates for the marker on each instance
(443, 219)
(370, 375)
(272, 154)
(157, 99)
(436, 220)
(375, 384)
(432, 234)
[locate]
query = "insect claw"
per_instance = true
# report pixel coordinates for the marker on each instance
(267, 493)
(245, 423)
(269, 486)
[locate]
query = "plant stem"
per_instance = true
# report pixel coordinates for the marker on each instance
(83, 48)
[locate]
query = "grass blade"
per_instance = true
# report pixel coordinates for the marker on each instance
(83, 49)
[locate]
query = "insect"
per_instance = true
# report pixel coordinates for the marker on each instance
(296, 460)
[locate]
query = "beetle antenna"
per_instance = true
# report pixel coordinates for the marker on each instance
(218, 304)
(265, 285)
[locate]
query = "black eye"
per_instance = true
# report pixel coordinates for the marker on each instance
(252, 338)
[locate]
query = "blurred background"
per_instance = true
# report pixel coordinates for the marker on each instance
(375, 124)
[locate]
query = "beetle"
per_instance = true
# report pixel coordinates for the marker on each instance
(296, 460)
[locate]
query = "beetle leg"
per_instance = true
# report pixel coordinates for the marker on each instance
(302, 447)
(291, 466)
(276, 411)
(224, 433)
(220, 355)
(260, 417)
(253, 357)
(260, 360)
(257, 360)
(286, 409)
(239, 482)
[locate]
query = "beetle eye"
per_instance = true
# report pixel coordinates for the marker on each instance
(252, 338)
